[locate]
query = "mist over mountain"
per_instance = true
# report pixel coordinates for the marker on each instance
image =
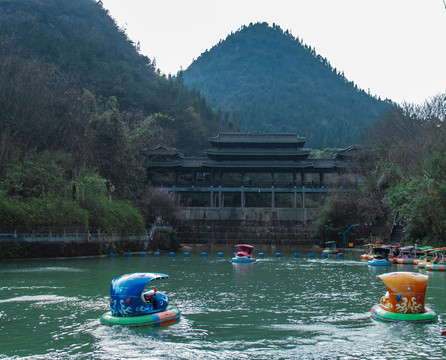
(276, 84)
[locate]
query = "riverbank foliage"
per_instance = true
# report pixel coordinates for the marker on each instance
(403, 179)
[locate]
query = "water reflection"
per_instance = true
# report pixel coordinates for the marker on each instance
(242, 270)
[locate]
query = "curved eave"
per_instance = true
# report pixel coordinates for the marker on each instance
(155, 165)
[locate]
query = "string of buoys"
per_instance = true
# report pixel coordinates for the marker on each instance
(220, 254)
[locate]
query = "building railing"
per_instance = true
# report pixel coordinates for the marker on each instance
(260, 184)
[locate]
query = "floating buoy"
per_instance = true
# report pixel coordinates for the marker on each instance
(142, 254)
(311, 255)
(278, 254)
(220, 254)
(156, 253)
(261, 255)
(171, 254)
(128, 254)
(203, 254)
(186, 254)
(112, 254)
(443, 332)
(324, 255)
(340, 256)
(296, 255)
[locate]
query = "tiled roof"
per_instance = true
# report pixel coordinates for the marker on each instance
(235, 138)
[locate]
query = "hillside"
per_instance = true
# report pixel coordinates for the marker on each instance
(83, 42)
(277, 84)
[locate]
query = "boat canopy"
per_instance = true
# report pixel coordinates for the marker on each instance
(425, 248)
(405, 282)
(133, 284)
(246, 248)
(243, 248)
(406, 248)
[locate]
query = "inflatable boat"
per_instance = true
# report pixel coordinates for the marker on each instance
(131, 305)
(404, 300)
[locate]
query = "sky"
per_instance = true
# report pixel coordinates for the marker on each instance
(395, 49)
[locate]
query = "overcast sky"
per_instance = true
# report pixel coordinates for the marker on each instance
(394, 48)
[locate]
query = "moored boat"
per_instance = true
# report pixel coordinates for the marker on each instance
(407, 255)
(435, 267)
(424, 259)
(404, 300)
(370, 252)
(130, 305)
(438, 260)
(393, 252)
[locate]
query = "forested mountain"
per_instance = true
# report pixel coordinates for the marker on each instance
(82, 41)
(78, 107)
(277, 84)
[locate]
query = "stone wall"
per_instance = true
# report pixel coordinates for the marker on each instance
(261, 226)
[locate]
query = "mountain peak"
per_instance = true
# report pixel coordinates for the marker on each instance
(275, 83)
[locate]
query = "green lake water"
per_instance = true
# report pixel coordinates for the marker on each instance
(276, 308)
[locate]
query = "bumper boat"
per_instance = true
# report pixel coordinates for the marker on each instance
(380, 260)
(438, 260)
(369, 254)
(404, 300)
(244, 254)
(330, 248)
(407, 255)
(130, 305)
(424, 257)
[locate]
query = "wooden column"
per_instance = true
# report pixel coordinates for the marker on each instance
(242, 197)
(295, 198)
(272, 198)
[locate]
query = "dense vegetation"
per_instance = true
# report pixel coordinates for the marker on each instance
(78, 105)
(403, 171)
(275, 83)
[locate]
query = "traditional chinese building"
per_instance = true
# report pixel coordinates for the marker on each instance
(244, 164)
(249, 177)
